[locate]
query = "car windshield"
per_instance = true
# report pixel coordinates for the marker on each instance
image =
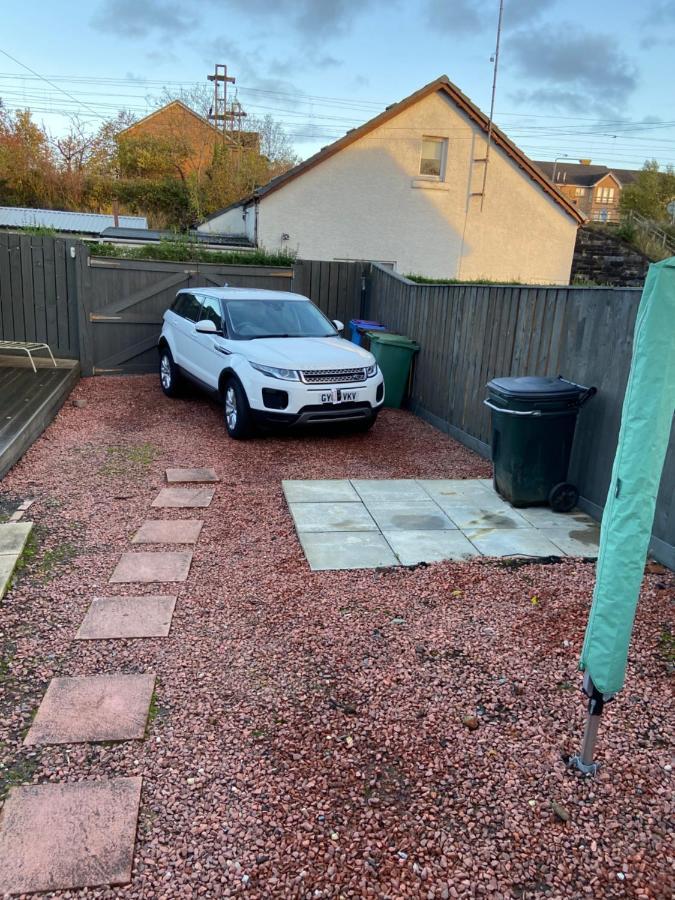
(249, 319)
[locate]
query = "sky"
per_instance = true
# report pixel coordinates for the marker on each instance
(591, 79)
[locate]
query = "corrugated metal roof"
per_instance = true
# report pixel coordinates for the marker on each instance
(61, 220)
(146, 235)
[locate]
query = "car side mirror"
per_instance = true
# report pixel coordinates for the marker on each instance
(339, 325)
(206, 326)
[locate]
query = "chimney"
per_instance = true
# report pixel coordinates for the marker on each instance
(585, 162)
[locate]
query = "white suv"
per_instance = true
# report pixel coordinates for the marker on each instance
(271, 357)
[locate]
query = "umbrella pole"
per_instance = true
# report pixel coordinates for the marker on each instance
(583, 762)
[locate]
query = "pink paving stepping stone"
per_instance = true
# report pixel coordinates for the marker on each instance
(151, 568)
(205, 476)
(168, 531)
(184, 498)
(127, 617)
(63, 836)
(93, 708)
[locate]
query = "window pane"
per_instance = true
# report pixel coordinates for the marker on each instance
(432, 157)
(211, 311)
(191, 308)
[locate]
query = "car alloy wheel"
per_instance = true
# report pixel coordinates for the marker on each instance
(231, 408)
(165, 372)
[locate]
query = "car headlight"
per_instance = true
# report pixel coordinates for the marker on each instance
(371, 371)
(273, 372)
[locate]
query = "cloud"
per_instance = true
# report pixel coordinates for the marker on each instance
(134, 19)
(657, 24)
(318, 19)
(572, 70)
(466, 17)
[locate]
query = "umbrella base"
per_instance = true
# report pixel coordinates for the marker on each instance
(589, 769)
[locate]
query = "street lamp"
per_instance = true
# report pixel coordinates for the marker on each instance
(555, 164)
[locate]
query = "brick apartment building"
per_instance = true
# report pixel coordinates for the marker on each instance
(595, 190)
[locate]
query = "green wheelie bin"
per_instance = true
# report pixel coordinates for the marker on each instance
(394, 354)
(533, 423)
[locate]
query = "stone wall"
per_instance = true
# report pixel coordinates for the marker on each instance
(601, 257)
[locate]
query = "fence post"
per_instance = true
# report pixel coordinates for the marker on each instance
(83, 301)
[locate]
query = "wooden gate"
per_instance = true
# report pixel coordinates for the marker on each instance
(126, 299)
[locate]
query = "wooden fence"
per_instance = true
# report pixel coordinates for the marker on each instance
(107, 312)
(38, 292)
(469, 334)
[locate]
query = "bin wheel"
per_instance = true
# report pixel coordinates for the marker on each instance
(563, 497)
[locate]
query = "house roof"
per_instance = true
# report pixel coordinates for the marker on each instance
(583, 175)
(185, 108)
(440, 85)
(62, 220)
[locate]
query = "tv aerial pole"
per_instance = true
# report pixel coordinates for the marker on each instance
(495, 59)
(220, 114)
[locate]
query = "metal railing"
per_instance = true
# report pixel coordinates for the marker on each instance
(651, 229)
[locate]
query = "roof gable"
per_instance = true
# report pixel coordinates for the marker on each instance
(158, 113)
(440, 85)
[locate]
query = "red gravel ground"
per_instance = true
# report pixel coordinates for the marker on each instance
(307, 736)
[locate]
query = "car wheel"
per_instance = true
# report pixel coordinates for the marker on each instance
(169, 378)
(238, 419)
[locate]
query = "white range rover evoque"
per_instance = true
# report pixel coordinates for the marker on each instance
(271, 357)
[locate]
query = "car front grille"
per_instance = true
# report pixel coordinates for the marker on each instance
(333, 376)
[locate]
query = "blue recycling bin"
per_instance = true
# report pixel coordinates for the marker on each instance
(359, 327)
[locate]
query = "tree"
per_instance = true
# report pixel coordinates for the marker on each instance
(651, 192)
(28, 176)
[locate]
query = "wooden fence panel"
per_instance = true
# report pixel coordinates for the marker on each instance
(36, 303)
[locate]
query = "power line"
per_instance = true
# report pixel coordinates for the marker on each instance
(41, 77)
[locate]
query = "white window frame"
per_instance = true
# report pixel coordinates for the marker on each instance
(444, 157)
(604, 195)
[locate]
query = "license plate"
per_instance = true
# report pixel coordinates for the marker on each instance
(338, 395)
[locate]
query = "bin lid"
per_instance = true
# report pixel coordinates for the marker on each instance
(532, 387)
(365, 323)
(394, 340)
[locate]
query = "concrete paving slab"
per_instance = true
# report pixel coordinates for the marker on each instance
(389, 489)
(472, 518)
(66, 836)
(13, 537)
(93, 708)
(346, 550)
(168, 531)
(7, 564)
(151, 568)
(331, 517)
(194, 476)
(184, 498)
(319, 490)
(545, 517)
(488, 501)
(575, 540)
(416, 515)
(413, 547)
(455, 488)
(127, 617)
(512, 542)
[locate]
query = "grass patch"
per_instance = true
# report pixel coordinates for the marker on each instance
(667, 645)
(132, 460)
(20, 772)
(182, 249)
(424, 279)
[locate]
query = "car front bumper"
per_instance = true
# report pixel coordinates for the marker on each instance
(296, 403)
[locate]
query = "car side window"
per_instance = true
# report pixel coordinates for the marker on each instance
(211, 311)
(191, 308)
